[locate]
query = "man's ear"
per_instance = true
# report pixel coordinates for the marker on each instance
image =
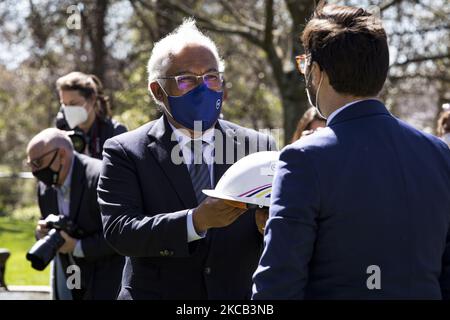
(316, 74)
(157, 91)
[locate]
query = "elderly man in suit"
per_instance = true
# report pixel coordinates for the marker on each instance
(180, 244)
(68, 186)
(361, 208)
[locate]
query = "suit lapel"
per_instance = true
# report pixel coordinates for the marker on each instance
(76, 187)
(161, 146)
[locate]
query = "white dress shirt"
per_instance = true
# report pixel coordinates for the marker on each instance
(63, 196)
(63, 199)
(335, 112)
(208, 155)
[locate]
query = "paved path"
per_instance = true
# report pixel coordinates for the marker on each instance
(25, 293)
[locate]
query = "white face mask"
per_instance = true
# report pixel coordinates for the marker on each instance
(75, 115)
(446, 138)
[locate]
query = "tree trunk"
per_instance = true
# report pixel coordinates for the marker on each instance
(294, 101)
(98, 43)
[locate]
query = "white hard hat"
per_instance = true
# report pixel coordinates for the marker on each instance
(249, 180)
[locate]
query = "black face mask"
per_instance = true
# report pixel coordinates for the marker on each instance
(46, 175)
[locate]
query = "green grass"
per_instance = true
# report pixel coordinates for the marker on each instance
(17, 235)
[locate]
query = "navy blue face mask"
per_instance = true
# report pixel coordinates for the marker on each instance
(200, 104)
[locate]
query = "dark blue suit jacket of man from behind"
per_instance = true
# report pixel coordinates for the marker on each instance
(368, 190)
(143, 197)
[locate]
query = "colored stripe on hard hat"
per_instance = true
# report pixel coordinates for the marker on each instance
(259, 191)
(255, 189)
(263, 193)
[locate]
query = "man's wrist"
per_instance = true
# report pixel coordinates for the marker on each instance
(199, 225)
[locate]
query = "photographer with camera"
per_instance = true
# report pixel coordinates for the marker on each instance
(71, 229)
(86, 112)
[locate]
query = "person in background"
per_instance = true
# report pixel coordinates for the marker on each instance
(68, 186)
(86, 109)
(308, 123)
(443, 127)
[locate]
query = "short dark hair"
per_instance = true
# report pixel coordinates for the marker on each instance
(350, 44)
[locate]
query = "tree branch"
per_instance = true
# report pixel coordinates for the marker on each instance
(442, 78)
(389, 4)
(161, 13)
(217, 26)
(423, 30)
(243, 20)
(421, 59)
(144, 21)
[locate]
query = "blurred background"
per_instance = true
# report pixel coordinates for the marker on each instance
(41, 40)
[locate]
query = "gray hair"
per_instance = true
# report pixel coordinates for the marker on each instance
(186, 34)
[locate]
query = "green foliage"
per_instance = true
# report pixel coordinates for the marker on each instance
(28, 213)
(16, 193)
(133, 105)
(18, 236)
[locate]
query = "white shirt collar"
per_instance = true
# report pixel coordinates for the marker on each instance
(207, 150)
(335, 112)
(182, 139)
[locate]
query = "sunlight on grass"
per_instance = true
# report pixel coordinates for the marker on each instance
(18, 236)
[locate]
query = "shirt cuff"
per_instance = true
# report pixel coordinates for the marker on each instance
(78, 251)
(192, 235)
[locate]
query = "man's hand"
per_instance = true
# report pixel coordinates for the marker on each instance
(261, 216)
(41, 229)
(308, 132)
(69, 245)
(214, 213)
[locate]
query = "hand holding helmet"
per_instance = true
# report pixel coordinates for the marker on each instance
(247, 184)
(214, 213)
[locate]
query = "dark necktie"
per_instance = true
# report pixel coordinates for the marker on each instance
(198, 170)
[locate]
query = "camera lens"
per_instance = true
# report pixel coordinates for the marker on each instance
(44, 250)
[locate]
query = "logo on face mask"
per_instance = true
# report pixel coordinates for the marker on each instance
(200, 104)
(46, 175)
(75, 115)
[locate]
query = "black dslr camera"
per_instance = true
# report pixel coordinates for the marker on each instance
(78, 140)
(45, 249)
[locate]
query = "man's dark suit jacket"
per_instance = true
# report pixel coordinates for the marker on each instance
(101, 268)
(368, 190)
(144, 198)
